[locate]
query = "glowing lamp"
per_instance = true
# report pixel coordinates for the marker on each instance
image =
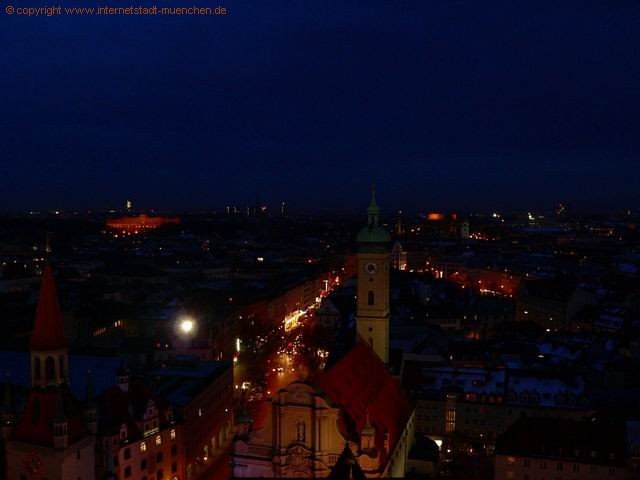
(186, 325)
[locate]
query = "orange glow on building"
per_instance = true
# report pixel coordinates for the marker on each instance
(433, 217)
(139, 224)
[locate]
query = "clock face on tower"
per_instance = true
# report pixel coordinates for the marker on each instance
(371, 268)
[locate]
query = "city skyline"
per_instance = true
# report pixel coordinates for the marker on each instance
(454, 105)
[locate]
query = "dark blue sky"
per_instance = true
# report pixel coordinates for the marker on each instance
(444, 104)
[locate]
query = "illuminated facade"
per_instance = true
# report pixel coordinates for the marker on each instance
(139, 224)
(356, 402)
(138, 438)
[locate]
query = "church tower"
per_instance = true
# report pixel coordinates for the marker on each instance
(372, 318)
(50, 439)
(48, 346)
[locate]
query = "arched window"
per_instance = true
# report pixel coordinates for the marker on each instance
(370, 298)
(50, 369)
(37, 368)
(61, 362)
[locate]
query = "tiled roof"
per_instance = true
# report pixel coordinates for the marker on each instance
(360, 383)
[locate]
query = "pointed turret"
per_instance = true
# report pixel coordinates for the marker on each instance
(48, 332)
(48, 345)
(374, 233)
(367, 435)
(374, 210)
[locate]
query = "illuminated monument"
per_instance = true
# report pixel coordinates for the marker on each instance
(139, 224)
(354, 420)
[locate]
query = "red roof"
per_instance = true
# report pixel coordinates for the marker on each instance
(361, 383)
(48, 333)
(36, 425)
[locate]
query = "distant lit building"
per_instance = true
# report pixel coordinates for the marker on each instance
(139, 224)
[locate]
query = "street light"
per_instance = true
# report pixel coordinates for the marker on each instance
(186, 325)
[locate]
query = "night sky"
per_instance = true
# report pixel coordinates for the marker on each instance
(448, 104)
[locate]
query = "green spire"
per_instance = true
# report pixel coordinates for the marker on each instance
(374, 209)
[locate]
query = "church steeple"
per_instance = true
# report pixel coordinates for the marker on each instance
(374, 210)
(372, 319)
(48, 333)
(48, 344)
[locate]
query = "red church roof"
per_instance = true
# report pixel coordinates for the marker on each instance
(48, 333)
(360, 383)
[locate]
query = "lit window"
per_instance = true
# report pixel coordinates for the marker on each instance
(143, 446)
(158, 440)
(173, 434)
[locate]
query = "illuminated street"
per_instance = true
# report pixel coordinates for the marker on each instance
(283, 363)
